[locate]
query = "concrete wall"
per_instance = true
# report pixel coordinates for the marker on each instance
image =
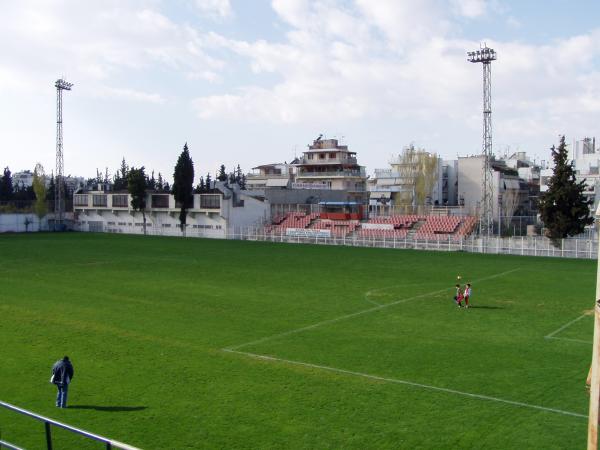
(469, 182)
(15, 223)
(162, 222)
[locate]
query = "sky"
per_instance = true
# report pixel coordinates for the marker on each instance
(254, 82)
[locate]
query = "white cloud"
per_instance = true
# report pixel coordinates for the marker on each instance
(469, 8)
(93, 42)
(407, 65)
(130, 94)
(215, 8)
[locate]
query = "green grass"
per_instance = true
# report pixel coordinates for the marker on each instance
(145, 320)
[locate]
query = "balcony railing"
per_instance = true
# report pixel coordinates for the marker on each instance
(317, 160)
(333, 173)
(265, 176)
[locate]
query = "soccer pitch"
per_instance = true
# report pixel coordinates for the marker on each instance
(192, 343)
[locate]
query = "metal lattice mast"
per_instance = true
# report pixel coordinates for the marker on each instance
(485, 56)
(59, 205)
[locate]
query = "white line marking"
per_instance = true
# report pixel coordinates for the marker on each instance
(409, 383)
(565, 326)
(372, 291)
(570, 339)
(359, 313)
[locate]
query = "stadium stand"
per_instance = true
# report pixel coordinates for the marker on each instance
(421, 227)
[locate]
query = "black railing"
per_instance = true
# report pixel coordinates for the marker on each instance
(48, 423)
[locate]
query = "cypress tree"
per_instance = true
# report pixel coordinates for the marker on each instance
(563, 207)
(136, 185)
(183, 185)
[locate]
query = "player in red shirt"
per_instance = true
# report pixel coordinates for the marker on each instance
(458, 298)
(467, 294)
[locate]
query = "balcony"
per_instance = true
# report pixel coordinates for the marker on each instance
(333, 174)
(252, 176)
(317, 160)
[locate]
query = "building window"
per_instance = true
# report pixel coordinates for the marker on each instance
(99, 200)
(310, 156)
(210, 201)
(166, 225)
(120, 200)
(160, 201)
(80, 200)
(321, 155)
(332, 156)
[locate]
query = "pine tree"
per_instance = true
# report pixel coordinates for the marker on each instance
(238, 175)
(183, 185)
(6, 186)
(136, 185)
(159, 183)
(222, 175)
(208, 182)
(563, 207)
(152, 182)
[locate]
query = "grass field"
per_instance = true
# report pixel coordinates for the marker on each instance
(366, 347)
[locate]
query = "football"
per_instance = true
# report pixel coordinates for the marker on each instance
(458, 277)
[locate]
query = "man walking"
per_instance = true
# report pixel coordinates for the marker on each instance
(62, 374)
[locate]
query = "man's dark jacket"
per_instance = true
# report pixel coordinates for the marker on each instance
(62, 370)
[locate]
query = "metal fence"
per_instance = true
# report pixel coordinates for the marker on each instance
(49, 423)
(522, 245)
(581, 247)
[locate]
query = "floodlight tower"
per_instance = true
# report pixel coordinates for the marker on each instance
(59, 206)
(485, 56)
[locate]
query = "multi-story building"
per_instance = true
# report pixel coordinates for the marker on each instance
(216, 214)
(330, 166)
(398, 185)
(586, 162)
(509, 193)
(278, 175)
(22, 179)
(529, 174)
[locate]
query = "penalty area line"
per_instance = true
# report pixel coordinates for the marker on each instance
(565, 326)
(408, 383)
(358, 313)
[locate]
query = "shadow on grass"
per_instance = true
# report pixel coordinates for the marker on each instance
(486, 307)
(109, 408)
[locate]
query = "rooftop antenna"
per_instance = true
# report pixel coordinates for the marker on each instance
(59, 202)
(485, 56)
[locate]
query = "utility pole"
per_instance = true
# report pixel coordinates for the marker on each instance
(485, 56)
(59, 202)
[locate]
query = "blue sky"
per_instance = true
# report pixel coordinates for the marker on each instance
(254, 82)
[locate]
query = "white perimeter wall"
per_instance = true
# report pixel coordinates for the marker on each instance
(15, 223)
(161, 222)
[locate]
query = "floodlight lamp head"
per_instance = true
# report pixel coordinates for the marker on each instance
(484, 55)
(62, 84)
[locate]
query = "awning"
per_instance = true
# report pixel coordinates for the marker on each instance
(277, 182)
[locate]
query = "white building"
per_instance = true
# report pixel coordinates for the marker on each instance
(328, 165)
(586, 161)
(396, 186)
(276, 175)
(214, 215)
(509, 194)
(24, 178)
